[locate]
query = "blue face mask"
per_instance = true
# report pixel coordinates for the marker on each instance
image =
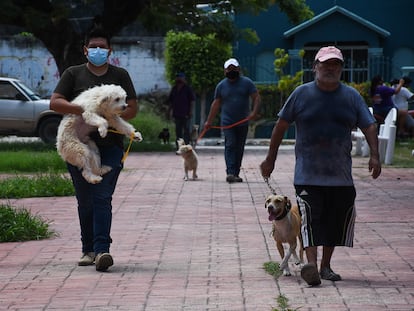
(98, 56)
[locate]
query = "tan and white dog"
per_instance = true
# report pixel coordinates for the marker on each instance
(102, 106)
(286, 224)
(189, 157)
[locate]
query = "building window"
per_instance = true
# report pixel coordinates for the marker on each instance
(355, 65)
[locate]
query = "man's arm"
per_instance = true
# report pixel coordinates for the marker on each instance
(374, 164)
(256, 105)
(214, 109)
(60, 104)
(132, 109)
(268, 164)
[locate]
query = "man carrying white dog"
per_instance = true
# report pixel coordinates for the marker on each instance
(94, 200)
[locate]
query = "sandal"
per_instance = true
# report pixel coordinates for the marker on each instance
(310, 274)
(327, 274)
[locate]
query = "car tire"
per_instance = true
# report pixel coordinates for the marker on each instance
(48, 129)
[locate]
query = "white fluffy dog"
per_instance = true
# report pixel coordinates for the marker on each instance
(102, 106)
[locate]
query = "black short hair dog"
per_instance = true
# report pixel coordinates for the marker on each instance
(164, 135)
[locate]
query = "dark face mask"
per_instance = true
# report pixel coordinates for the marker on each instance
(232, 75)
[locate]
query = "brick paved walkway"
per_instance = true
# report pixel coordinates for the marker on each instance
(200, 245)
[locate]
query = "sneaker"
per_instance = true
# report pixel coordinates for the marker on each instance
(231, 179)
(327, 274)
(310, 274)
(87, 259)
(238, 179)
(103, 261)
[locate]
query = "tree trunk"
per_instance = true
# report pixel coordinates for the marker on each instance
(65, 44)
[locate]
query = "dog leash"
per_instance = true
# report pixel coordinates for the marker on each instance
(203, 132)
(131, 139)
(272, 190)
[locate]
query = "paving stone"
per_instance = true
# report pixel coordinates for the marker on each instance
(201, 245)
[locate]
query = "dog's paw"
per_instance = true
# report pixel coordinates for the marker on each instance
(138, 136)
(286, 272)
(105, 169)
(103, 130)
(299, 264)
(92, 179)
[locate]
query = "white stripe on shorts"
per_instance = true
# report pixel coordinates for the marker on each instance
(304, 225)
(349, 237)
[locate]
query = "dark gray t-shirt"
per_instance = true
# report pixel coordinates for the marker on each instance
(235, 99)
(324, 121)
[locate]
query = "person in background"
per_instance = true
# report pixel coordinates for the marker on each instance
(181, 102)
(94, 200)
(232, 96)
(401, 102)
(324, 111)
(381, 95)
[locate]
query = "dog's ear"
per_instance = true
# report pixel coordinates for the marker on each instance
(268, 199)
(104, 100)
(287, 203)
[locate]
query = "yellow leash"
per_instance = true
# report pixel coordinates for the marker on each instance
(131, 139)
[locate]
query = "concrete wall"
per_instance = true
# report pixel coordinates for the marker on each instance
(29, 61)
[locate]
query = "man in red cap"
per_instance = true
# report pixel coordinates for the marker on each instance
(324, 111)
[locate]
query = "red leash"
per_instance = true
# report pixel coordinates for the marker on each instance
(203, 132)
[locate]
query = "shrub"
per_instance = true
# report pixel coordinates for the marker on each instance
(17, 225)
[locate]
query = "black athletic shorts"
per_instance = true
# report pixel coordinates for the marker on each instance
(328, 215)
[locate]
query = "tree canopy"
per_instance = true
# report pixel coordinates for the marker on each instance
(61, 24)
(200, 57)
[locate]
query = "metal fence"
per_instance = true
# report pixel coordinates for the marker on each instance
(265, 73)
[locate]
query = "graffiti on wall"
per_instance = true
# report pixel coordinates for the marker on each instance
(36, 67)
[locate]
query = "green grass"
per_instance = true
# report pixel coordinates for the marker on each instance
(402, 153)
(31, 161)
(272, 268)
(150, 125)
(17, 225)
(147, 146)
(47, 185)
(283, 304)
(26, 146)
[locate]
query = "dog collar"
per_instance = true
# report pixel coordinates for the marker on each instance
(285, 211)
(283, 215)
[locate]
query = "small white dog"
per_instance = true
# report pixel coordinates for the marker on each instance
(190, 158)
(102, 106)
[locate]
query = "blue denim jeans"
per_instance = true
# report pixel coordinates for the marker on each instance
(95, 202)
(234, 142)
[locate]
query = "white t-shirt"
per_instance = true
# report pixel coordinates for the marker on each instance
(401, 99)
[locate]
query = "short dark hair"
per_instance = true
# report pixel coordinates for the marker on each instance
(97, 32)
(407, 80)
